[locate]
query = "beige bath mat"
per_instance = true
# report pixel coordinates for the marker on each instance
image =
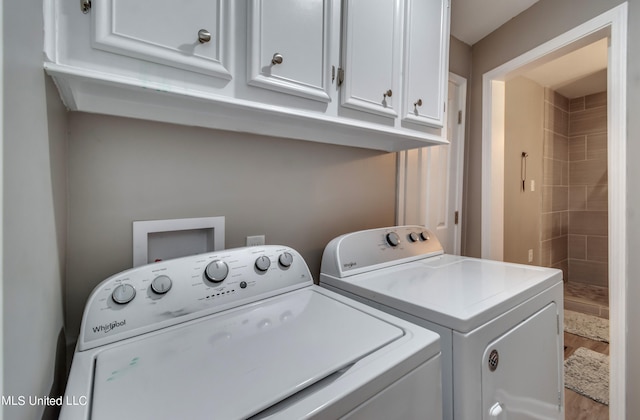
(588, 326)
(587, 373)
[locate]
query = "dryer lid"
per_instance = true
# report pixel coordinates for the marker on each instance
(456, 292)
(237, 363)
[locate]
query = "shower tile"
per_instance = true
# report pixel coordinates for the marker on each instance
(597, 197)
(564, 266)
(556, 120)
(577, 247)
(547, 144)
(556, 146)
(552, 225)
(598, 248)
(560, 101)
(560, 147)
(578, 197)
(545, 253)
(596, 100)
(559, 249)
(565, 222)
(587, 172)
(552, 172)
(577, 104)
(590, 121)
(577, 148)
(589, 272)
(584, 308)
(597, 147)
(555, 198)
(588, 223)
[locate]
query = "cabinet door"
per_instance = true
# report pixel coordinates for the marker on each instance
(426, 41)
(288, 46)
(165, 31)
(371, 56)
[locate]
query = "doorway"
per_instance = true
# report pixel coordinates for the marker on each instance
(611, 25)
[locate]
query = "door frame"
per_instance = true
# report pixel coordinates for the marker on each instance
(612, 25)
(412, 196)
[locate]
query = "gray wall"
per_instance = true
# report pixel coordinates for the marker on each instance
(459, 57)
(523, 133)
(542, 22)
(34, 206)
(297, 193)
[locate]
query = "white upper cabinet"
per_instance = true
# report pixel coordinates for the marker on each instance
(371, 56)
(288, 46)
(426, 39)
(188, 34)
(347, 72)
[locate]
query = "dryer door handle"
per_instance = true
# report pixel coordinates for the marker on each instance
(495, 412)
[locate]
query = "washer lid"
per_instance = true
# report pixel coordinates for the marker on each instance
(235, 364)
(456, 292)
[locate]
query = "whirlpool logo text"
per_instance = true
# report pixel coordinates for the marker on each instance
(105, 328)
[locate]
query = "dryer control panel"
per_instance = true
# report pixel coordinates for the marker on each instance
(159, 295)
(367, 250)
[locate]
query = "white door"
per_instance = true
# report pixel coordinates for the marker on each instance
(430, 178)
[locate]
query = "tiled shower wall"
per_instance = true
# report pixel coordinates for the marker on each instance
(555, 183)
(588, 190)
(574, 235)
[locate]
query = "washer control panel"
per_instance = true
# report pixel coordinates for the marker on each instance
(170, 292)
(366, 250)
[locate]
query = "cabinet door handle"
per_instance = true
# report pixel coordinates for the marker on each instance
(204, 36)
(277, 59)
(387, 94)
(417, 103)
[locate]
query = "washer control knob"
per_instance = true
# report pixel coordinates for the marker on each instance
(263, 263)
(424, 235)
(285, 259)
(414, 237)
(123, 294)
(393, 239)
(161, 284)
(216, 271)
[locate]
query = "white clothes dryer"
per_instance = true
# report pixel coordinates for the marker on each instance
(245, 334)
(500, 324)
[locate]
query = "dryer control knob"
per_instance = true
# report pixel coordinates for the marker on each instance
(393, 239)
(285, 259)
(123, 294)
(263, 263)
(414, 237)
(161, 284)
(424, 235)
(216, 271)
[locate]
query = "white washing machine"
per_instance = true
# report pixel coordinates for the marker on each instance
(500, 324)
(244, 334)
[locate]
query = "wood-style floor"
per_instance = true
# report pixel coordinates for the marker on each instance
(578, 407)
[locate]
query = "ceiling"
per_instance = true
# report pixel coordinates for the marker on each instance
(578, 73)
(472, 20)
